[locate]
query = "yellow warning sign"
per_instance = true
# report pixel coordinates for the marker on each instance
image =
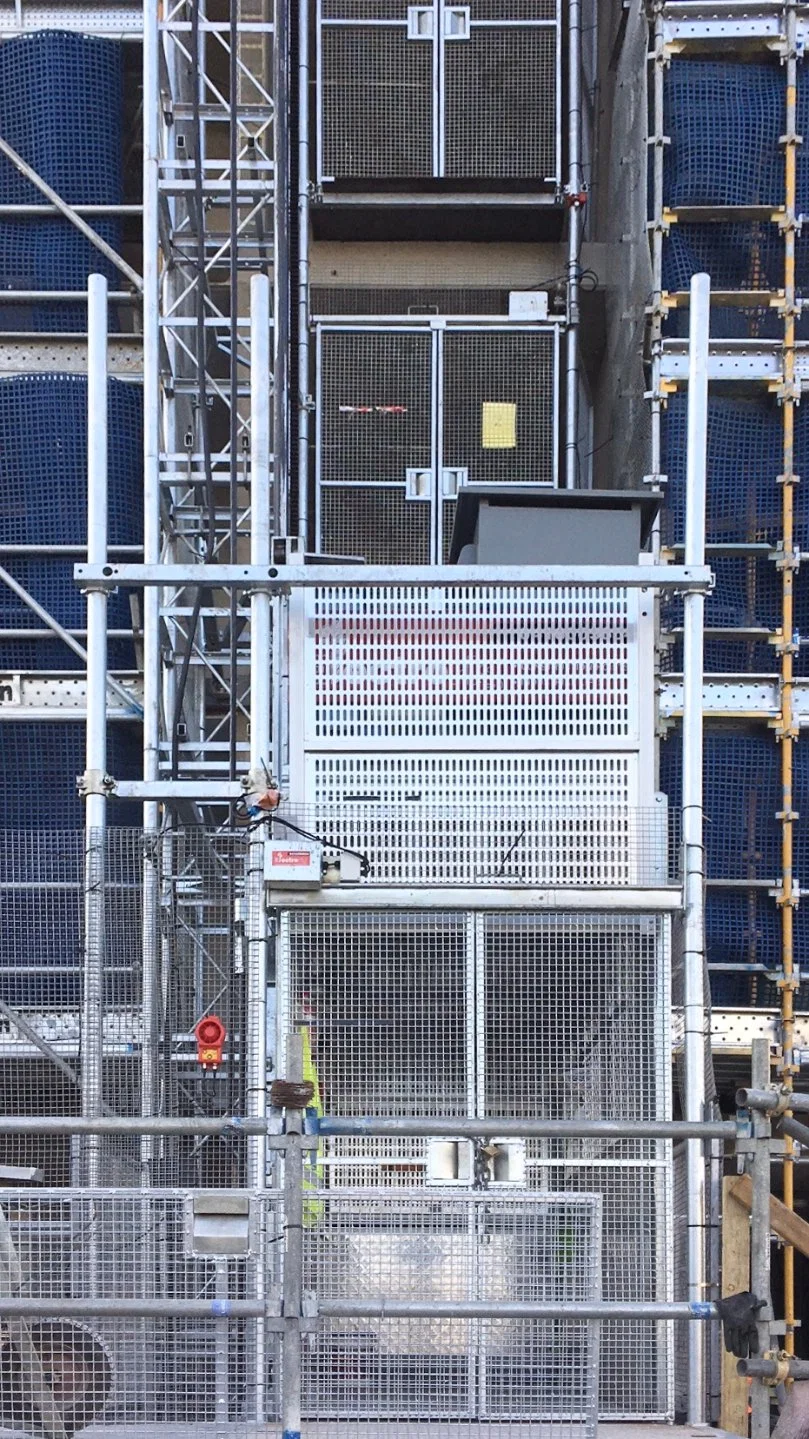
(498, 425)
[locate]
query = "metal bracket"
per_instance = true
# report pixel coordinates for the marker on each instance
(95, 781)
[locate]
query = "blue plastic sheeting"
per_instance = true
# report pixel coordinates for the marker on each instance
(745, 458)
(44, 925)
(51, 254)
(742, 800)
(61, 109)
(43, 500)
(724, 119)
(43, 760)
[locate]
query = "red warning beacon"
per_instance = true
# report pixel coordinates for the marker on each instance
(211, 1035)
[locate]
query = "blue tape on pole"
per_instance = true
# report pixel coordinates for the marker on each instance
(221, 1308)
(702, 1310)
(61, 109)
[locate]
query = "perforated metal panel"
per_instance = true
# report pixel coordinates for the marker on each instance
(442, 1246)
(407, 415)
(438, 90)
(393, 668)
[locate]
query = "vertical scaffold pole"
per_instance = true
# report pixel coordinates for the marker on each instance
(92, 1052)
(293, 1251)
(303, 271)
(260, 756)
(694, 877)
(150, 932)
(785, 729)
(575, 205)
(760, 1235)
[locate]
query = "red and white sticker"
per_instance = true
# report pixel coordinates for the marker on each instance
(291, 857)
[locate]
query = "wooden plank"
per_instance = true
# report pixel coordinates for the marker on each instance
(735, 1279)
(788, 1226)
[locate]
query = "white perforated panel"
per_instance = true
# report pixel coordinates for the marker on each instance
(393, 668)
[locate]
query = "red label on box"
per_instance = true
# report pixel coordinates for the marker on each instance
(291, 856)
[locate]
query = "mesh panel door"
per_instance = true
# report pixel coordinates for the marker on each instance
(500, 93)
(499, 405)
(375, 425)
(375, 93)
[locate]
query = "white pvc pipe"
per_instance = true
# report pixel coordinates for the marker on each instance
(694, 877)
(96, 750)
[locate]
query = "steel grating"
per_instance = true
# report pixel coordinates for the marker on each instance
(447, 1371)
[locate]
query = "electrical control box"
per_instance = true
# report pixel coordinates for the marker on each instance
(295, 863)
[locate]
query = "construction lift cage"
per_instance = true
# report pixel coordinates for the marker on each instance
(439, 91)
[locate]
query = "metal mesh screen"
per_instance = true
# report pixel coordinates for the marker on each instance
(390, 667)
(132, 1370)
(499, 397)
(376, 99)
(500, 103)
(556, 1015)
(375, 405)
(376, 523)
(177, 901)
(447, 1371)
(512, 844)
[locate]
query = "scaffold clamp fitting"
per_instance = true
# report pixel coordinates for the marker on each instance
(95, 781)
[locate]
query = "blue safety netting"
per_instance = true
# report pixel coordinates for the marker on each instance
(743, 797)
(724, 119)
(745, 458)
(43, 501)
(43, 759)
(61, 109)
(51, 254)
(745, 928)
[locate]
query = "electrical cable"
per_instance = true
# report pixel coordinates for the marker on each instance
(365, 863)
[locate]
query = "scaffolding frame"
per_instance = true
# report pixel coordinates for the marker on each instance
(727, 29)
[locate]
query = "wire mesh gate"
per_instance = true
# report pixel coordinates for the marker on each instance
(563, 1016)
(140, 1372)
(405, 416)
(438, 90)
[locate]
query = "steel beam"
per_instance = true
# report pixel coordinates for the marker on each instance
(282, 578)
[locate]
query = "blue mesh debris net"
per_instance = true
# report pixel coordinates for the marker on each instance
(43, 500)
(44, 757)
(745, 928)
(742, 799)
(745, 448)
(724, 119)
(736, 256)
(43, 460)
(51, 254)
(61, 108)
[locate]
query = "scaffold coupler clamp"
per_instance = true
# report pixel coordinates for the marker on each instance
(95, 781)
(780, 1359)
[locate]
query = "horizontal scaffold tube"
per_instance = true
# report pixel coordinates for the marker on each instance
(24, 1307)
(772, 1101)
(773, 1368)
(63, 1124)
(490, 1309)
(374, 1127)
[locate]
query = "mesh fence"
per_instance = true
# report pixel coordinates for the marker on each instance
(61, 107)
(500, 103)
(499, 403)
(376, 96)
